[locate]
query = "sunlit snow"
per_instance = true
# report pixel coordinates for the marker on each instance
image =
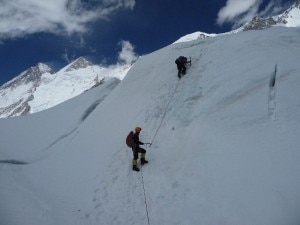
(225, 143)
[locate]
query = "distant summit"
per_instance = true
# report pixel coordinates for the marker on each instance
(31, 75)
(17, 93)
(44, 68)
(39, 88)
(289, 18)
(79, 63)
(258, 23)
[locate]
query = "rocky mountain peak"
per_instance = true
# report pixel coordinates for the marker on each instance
(33, 74)
(290, 17)
(79, 63)
(23, 86)
(258, 23)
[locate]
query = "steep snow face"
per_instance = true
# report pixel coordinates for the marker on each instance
(62, 122)
(225, 142)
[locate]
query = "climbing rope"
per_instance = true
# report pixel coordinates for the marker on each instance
(156, 132)
(145, 198)
(165, 113)
(167, 106)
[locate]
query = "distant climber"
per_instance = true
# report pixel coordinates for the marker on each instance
(134, 142)
(181, 62)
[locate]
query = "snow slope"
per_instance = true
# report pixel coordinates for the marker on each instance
(225, 142)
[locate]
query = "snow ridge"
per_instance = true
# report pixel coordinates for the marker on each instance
(289, 18)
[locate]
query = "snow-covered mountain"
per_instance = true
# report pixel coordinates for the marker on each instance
(225, 142)
(79, 63)
(17, 93)
(39, 88)
(289, 18)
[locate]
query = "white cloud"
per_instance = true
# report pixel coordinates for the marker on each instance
(127, 53)
(239, 12)
(273, 8)
(246, 17)
(66, 56)
(235, 8)
(19, 17)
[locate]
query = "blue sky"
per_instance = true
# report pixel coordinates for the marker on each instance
(110, 31)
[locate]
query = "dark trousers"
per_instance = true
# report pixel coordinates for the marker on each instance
(181, 68)
(136, 152)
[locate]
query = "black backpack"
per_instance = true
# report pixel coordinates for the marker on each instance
(181, 59)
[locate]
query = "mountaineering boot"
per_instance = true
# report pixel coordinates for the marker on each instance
(143, 160)
(135, 168)
(179, 76)
(134, 165)
(180, 73)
